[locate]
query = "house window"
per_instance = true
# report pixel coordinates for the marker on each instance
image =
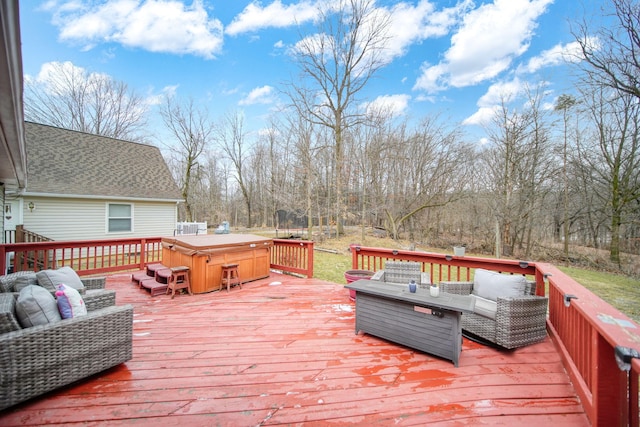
(120, 218)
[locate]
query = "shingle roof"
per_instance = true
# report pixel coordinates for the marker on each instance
(61, 161)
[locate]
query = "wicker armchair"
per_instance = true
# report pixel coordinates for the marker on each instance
(519, 321)
(400, 272)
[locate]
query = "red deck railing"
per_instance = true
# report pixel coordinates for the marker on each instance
(585, 329)
(106, 256)
(292, 256)
(85, 256)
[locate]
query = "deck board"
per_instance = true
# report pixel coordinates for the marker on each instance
(287, 354)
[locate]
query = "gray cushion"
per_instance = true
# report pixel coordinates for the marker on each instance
(36, 306)
(8, 319)
(49, 279)
(491, 285)
(9, 282)
(485, 307)
(24, 281)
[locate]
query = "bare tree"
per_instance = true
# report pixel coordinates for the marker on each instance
(565, 103)
(72, 98)
(611, 57)
(336, 63)
(192, 129)
(432, 173)
(516, 167)
(230, 136)
(613, 161)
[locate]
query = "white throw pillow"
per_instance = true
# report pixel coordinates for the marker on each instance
(70, 302)
(491, 285)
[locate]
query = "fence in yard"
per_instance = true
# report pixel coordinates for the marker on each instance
(190, 228)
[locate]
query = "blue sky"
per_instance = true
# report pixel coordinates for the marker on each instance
(446, 57)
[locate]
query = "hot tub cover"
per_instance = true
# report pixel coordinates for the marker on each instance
(208, 243)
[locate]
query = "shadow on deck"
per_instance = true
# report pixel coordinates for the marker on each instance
(283, 351)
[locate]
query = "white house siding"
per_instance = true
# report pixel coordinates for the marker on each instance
(2, 222)
(154, 219)
(86, 219)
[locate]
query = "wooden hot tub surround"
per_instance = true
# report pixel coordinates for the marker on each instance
(205, 255)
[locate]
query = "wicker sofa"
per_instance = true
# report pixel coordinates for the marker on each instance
(402, 272)
(38, 359)
(509, 316)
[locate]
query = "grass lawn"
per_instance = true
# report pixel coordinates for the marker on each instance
(620, 291)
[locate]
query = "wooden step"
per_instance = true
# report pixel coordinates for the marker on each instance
(138, 277)
(152, 268)
(154, 287)
(163, 275)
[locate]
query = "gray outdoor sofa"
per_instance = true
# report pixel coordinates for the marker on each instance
(38, 359)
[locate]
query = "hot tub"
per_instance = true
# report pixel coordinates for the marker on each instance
(205, 254)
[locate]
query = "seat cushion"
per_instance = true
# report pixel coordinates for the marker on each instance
(485, 307)
(36, 306)
(491, 285)
(49, 279)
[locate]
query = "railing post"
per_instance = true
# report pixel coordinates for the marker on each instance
(609, 386)
(143, 253)
(3, 260)
(354, 257)
(310, 259)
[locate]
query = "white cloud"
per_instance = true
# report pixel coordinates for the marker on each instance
(557, 55)
(501, 92)
(409, 24)
(259, 95)
(154, 25)
(53, 77)
(483, 116)
(488, 40)
(491, 101)
(159, 98)
(394, 105)
(254, 17)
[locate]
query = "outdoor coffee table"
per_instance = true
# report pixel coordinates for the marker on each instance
(416, 320)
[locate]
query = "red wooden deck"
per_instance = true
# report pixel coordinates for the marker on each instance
(283, 351)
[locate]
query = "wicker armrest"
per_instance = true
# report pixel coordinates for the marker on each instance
(521, 320)
(94, 282)
(95, 299)
(459, 288)
(526, 307)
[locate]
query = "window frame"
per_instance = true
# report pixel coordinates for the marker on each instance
(109, 218)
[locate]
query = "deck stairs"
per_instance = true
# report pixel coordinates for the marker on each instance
(155, 279)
